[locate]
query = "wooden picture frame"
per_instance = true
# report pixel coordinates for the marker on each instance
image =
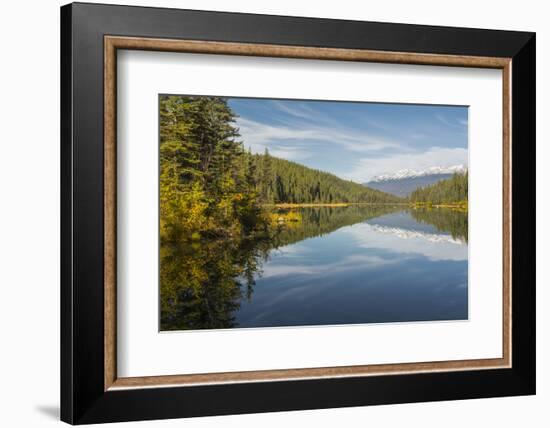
(91, 390)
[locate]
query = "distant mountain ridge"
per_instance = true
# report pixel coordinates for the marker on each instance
(412, 173)
(402, 183)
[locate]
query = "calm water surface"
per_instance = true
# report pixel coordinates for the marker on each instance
(338, 265)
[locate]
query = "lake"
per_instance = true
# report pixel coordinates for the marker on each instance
(323, 266)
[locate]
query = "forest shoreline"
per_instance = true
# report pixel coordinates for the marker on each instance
(460, 206)
(330, 204)
(451, 205)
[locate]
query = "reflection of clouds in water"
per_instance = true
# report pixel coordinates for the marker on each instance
(399, 242)
(408, 234)
(432, 246)
(323, 278)
(359, 261)
(293, 249)
(367, 272)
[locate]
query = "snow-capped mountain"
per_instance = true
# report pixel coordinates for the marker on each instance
(410, 173)
(404, 182)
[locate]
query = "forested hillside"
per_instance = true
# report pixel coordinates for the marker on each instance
(452, 191)
(282, 181)
(211, 186)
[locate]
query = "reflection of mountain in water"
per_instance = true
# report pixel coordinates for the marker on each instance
(446, 220)
(410, 234)
(435, 225)
(204, 282)
(318, 221)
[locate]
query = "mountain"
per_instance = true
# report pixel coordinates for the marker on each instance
(404, 182)
(403, 187)
(412, 173)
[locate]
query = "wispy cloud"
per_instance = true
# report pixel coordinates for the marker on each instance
(418, 136)
(354, 140)
(367, 168)
(296, 110)
(290, 153)
(293, 139)
(353, 261)
(460, 123)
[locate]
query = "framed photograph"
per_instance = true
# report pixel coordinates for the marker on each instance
(267, 213)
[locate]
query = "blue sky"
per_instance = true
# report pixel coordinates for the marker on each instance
(355, 141)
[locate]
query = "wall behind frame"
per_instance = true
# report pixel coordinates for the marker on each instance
(29, 218)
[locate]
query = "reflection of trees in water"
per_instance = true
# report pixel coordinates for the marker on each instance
(447, 220)
(318, 221)
(203, 281)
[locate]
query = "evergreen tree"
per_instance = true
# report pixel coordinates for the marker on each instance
(204, 190)
(251, 171)
(266, 178)
(453, 190)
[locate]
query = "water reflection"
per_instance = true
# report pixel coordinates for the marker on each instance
(337, 265)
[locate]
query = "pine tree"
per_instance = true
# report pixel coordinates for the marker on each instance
(267, 177)
(453, 190)
(251, 171)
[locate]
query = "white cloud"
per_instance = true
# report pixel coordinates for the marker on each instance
(367, 168)
(347, 263)
(300, 111)
(255, 133)
(290, 153)
(289, 140)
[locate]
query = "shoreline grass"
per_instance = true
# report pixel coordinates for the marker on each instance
(461, 206)
(330, 204)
